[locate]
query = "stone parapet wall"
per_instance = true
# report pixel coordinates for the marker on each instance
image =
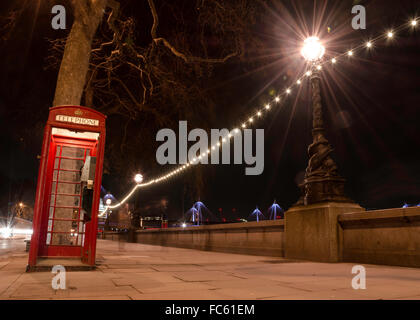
(257, 238)
(388, 237)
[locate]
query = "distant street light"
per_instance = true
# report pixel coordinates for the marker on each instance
(108, 202)
(138, 178)
(6, 232)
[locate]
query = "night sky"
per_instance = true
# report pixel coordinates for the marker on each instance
(371, 108)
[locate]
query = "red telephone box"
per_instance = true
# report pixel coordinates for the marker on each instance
(69, 182)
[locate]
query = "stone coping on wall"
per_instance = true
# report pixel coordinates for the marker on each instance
(396, 217)
(225, 226)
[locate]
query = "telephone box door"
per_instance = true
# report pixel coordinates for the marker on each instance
(69, 203)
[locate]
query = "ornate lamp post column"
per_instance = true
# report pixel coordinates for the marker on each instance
(312, 231)
(322, 182)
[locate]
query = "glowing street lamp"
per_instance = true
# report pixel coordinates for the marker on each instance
(312, 49)
(322, 182)
(6, 232)
(108, 202)
(138, 178)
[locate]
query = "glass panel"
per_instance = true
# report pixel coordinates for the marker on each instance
(56, 162)
(71, 164)
(51, 212)
(65, 239)
(53, 186)
(68, 188)
(66, 213)
(48, 238)
(81, 223)
(62, 226)
(80, 240)
(73, 152)
(70, 176)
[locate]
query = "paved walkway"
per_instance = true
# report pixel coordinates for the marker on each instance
(135, 271)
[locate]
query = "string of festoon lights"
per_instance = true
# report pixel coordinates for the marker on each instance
(261, 111)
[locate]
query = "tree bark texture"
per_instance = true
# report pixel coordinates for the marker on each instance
(75, 62)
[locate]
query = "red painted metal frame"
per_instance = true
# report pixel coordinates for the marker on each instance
(43, 191)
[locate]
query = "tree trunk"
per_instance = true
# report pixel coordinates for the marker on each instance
(75, 63)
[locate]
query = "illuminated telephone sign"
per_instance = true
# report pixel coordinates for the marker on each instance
(68, 191)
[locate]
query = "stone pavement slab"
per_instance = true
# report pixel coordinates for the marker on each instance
(135, 271)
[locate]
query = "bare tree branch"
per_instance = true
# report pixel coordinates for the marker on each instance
(190, 59)
(187, 59)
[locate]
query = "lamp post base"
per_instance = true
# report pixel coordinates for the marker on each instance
(322, 189)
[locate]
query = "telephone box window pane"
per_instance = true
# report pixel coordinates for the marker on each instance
(51, 215)
(48, 238)
(53, 186)
(57, 153)
(68, 188)
(68, 176)
(80, 239)
(66, 213)
(63, 239)
(62, 226)
(73, 152)
(68, 199)
(49, 225)
(56, 163)
(71, 164)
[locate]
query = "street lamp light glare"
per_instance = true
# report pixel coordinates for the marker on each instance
(390, 34)
(6, 232)
(108, 202)
(413, 23)
(368, 44)
(138, 178)
(312, 49)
